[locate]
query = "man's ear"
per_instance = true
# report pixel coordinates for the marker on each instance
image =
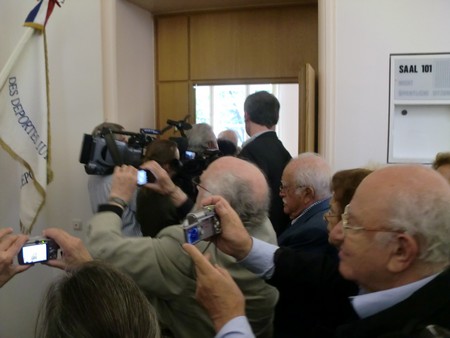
(404, 252)
(246, 117)
(310, 194)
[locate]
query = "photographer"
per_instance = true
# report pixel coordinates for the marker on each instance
(155, 210)
(161, 267)
(99, 186)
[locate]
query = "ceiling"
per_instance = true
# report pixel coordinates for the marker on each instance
(176, 6)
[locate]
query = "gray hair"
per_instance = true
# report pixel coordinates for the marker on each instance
(200, 136)
(313, 171)
(241, 196)
(426, 216)
(96, 300)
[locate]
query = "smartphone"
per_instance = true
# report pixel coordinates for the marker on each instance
(145, 176)
(38, 250)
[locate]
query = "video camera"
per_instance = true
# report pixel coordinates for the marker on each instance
(100, 154)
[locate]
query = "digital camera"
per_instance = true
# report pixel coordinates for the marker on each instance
(37, 250)
(201, 225)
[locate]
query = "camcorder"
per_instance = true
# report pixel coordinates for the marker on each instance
(100, 154)
(201, 225)
(38, 250)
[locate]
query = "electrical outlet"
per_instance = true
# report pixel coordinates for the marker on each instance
(77, 224)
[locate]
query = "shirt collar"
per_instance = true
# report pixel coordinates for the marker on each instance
(368, 304)
(255, 136)
(307, 209)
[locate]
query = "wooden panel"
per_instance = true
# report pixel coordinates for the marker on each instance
(173, 103)
(258, 43)
(307, 118)
(172, 48)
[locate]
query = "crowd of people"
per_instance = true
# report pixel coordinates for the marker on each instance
(302, 252)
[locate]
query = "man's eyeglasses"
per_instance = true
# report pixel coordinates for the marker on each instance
(196, 182)
(284, 188)
(346, 226)
(328, 216)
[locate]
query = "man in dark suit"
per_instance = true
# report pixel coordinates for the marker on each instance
(396, 247)
(265, 149)
(305, 192)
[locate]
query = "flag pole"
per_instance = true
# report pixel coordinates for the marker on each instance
(15, 55)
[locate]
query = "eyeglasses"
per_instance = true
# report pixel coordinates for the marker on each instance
(328, 215)
(284, 188)
(196, 182)
(346, 226)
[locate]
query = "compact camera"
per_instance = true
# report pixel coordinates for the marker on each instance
(145, 176)
(201, 225)
(37, 250)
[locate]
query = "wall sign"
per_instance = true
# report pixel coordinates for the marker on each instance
(419, 107)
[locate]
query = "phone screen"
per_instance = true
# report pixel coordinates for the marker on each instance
(145, 176)
(34, 253)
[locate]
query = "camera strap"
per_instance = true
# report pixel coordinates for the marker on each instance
(112, 147)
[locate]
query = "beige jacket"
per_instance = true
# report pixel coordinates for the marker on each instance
(166, 274)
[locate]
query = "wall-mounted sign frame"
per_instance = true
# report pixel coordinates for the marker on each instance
(419, 107)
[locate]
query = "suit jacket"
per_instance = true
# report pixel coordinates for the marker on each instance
(166, 274)
(313, 295)
(269, 154)
(309, 232)
(428, 305)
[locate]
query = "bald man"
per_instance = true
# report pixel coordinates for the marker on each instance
(160, 266)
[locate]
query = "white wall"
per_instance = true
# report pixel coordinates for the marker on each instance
(136, 80)
(365, 33)
(76, 95)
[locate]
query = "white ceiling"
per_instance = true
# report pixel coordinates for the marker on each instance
(175, 6)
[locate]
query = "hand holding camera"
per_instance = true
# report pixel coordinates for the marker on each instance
(234, 239)
(124, 182)
(10, 245)
(73, 251)
(201, 225)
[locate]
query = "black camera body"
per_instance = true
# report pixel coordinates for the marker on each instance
(38, 250)
(201, 225)
(100, 154)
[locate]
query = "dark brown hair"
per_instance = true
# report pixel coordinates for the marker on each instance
(161, 151)
(344, 184)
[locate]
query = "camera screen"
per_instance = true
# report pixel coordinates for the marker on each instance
(141, 177)
(145, 176)
(34, 253)
(190, 155)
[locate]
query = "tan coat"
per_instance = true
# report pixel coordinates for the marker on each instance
(166, 274)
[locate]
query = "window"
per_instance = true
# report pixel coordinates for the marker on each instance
(222, 106)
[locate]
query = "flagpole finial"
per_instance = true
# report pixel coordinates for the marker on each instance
(40, 14)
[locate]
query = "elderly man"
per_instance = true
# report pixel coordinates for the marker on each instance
(160, 266)
(396, 246)
(305, 191)
(201, 138)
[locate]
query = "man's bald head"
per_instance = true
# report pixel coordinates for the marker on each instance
(241, 183)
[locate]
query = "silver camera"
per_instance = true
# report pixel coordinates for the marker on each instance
(201, 225)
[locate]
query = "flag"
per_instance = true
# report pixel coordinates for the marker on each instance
(24, 113)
